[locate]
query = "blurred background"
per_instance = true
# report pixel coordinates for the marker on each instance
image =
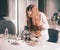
(49, 7)
(14, 10)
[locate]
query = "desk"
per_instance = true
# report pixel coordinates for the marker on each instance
(5, 45)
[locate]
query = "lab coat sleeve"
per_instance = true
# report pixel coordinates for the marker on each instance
(44, 20)
(45, 26)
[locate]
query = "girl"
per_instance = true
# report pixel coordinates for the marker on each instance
(37, 22)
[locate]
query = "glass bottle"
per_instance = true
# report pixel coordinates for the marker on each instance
(6, 32)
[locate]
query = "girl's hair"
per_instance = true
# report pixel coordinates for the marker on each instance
(29, 8)
(36, 28)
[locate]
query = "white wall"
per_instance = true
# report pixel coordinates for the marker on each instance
(50, 8)
(35, 2)
(21, 14)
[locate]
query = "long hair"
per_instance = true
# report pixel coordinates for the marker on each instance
(29, 8)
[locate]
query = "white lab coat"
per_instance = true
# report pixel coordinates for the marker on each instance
(44, 32)
(45, 26)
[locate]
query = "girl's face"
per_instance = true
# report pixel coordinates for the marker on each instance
(29, 13)
(35, 10)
